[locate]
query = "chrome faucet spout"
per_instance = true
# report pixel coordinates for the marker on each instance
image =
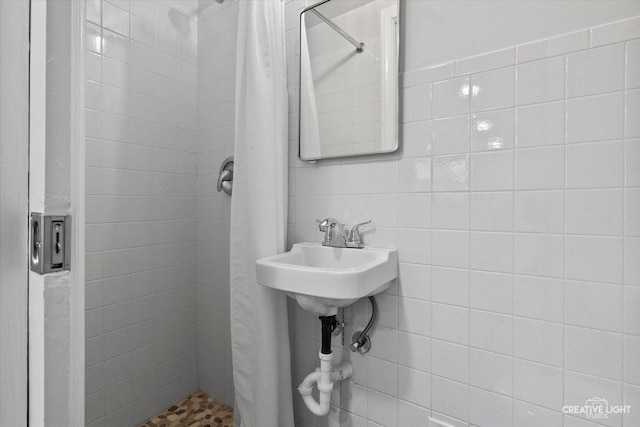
(334, 234)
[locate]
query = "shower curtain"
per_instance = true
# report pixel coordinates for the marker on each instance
(259, 326)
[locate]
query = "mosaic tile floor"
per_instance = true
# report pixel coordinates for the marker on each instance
(196, 410)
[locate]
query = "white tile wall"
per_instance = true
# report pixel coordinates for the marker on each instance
(512, 202)
(141, 210)
(517, 198)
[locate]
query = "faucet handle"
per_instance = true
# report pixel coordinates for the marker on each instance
(355, 239)
(327, 223)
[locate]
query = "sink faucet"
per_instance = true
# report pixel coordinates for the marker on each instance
(333, 233)
(337, 237)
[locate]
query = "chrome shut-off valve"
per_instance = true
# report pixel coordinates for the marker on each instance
(336, 236)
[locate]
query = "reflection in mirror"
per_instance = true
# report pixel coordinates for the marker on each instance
(348, 78)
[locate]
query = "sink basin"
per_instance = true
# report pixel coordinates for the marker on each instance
(323, 278)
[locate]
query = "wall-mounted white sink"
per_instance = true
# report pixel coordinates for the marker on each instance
(323, 278)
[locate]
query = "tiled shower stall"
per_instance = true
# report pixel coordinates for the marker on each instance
(514, 202)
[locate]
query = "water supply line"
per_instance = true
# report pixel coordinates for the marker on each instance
(361, 342)
(326, 374)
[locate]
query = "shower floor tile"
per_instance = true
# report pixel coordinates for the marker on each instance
(196, 410)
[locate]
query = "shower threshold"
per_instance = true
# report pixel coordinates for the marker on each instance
(196, 410)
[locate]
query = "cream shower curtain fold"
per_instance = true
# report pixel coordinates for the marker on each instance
(259, 328)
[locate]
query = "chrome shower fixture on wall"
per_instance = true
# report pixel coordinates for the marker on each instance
(225, 176)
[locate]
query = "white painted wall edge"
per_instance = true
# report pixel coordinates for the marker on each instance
(77, 315)
(37, 152)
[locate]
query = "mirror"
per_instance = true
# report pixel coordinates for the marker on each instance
(348, 78)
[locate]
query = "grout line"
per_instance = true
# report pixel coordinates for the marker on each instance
(564, 229)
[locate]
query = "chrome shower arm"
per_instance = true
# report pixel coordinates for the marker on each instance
(359, 46)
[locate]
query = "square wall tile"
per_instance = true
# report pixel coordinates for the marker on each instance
(382, 177)
(595, 118)
(541, 124)
(595, 165)
(383, 376)
(414, 210)
(94, 11)
(632, 212)
(116, 46)
(486, 61)
(384, 207)
(451, 135)
(540, 81)
(617, 31)
(492, 332)
(631, 312)
(593, 352)
(631, 354)
(414, 386)
(491, 292)
(414, 245)
(451, 97)
(93, 67)
(450, 323)
(116, 73)
(418, 351)
(493, 130)
(540, 168)
(539, 298)
(414, 175)
(492, 171)
(593, 305)
(115, 19)
(632, 122)
(539, 211)
(554, 46)
(633, 64)
(450, 286)
(631, 398)
(598, 212)
(414, 316)
(491, 251)
(492, 211)
(408, 414)
(451, 173)
(450, 211)
(414, 281)
(450, 248)
(539, 254)
(595, 71)
(538, 384)
(491, 371)
(450, 397)
(416, 103)
(382, 409)
(631, 160)
(493, 89)
(631, 264)
(526, 415)
(579, 387)
(450, 360)
(416, 139)
(593, 258)
(539, 341)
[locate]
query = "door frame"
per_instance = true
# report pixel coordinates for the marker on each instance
(57, 49)
(14, 208)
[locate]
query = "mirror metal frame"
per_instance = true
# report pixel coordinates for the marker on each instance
(389, 129)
